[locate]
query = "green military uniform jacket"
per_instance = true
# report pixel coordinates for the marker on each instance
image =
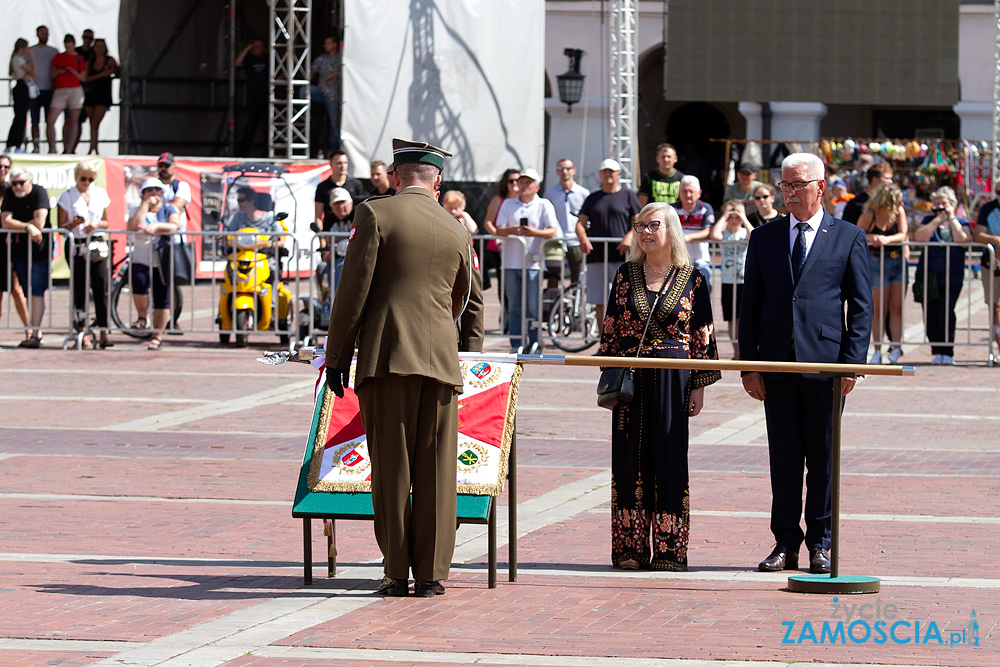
(406, 279)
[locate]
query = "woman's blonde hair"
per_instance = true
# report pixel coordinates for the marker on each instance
(84, 167)
(675, 235)
(886, 199)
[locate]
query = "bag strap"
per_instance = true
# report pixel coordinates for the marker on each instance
(652, 309)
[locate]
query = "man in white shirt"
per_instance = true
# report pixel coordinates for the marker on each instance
(533, 220)
(567, 197)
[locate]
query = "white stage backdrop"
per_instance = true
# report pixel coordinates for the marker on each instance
(61, 17)
(465, 75)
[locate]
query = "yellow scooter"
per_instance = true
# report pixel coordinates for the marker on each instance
(248, 296)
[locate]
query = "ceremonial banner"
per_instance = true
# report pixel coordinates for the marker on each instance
(486, 407)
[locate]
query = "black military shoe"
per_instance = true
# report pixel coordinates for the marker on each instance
(396, 588)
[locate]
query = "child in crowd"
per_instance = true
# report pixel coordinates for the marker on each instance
(454, 202)
(733, 228)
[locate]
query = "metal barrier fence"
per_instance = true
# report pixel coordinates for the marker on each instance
(33, 310)
(724, 271)
(252, 297)
(300, 312)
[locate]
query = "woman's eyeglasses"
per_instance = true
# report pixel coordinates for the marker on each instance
(511, 181)
(242, 200)
(650, 227)
(86, 179)
(762, 198)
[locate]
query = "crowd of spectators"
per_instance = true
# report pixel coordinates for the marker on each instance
(72, 85)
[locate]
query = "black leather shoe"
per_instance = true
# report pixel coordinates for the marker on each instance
(427, 589)
(819, 561)
(780, 559)
(396, 588)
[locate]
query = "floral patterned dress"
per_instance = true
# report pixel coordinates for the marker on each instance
(650, 502)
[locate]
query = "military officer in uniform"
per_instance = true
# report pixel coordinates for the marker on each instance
(409, 299)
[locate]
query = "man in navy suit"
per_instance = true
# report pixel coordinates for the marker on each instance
(801, 270)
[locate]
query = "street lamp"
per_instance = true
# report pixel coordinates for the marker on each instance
(571, 83)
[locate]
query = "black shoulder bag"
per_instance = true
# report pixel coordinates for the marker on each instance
(617, 386)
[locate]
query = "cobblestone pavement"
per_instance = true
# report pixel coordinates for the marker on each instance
(145, 510)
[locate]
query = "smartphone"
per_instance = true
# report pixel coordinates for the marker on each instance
(524, 222)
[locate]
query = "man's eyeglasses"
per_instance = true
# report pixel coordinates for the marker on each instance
(18, 182)
(242, 200)
(4, 166)
(795, 186)
(163, 165)
(650, 227)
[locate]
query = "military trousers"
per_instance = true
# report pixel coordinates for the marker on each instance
(411, 423)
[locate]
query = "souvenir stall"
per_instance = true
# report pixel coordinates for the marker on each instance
(921, 166)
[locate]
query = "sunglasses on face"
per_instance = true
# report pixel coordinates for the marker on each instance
(18, 182)
(762, 198)
(242, 200)
(163, 165)
(86, 179)
(511, 181)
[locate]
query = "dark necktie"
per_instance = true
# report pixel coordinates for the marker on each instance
(799, 252)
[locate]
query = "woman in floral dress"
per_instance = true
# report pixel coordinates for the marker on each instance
(649, 436)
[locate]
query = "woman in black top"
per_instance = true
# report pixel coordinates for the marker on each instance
(763, 197)
(100, 69)
(884, 224)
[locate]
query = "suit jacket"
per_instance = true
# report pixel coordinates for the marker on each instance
(407, 277)
(776, 308)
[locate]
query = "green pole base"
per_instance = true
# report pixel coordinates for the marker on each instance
(823, 583)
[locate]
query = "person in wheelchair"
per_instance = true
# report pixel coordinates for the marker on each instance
(254, 211)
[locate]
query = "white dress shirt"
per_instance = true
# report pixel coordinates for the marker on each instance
(793, 230)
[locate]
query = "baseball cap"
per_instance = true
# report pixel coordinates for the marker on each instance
(151, 183)
(339, 195)
(609, 164)
(166, 158)
(530, 173)
(747, 167)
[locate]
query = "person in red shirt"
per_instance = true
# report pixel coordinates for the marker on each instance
(69, 70)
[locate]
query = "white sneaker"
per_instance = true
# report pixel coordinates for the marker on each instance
(938, 359)
(894, 355)
(947, 360)
(876, 359)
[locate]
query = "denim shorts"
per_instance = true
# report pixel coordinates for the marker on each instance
(893, 269)
(39, 274)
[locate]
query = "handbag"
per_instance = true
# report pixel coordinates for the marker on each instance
(183, 263)
(33, 90)
(98, 248)
(617, 385)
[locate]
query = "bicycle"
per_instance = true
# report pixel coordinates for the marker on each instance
(573, 325)
(121, 284)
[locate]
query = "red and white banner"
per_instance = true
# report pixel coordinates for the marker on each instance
(486, 408)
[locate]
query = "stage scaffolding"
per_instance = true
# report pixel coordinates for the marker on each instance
(288, 115)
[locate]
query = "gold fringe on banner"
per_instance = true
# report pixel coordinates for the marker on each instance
(363, 486)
